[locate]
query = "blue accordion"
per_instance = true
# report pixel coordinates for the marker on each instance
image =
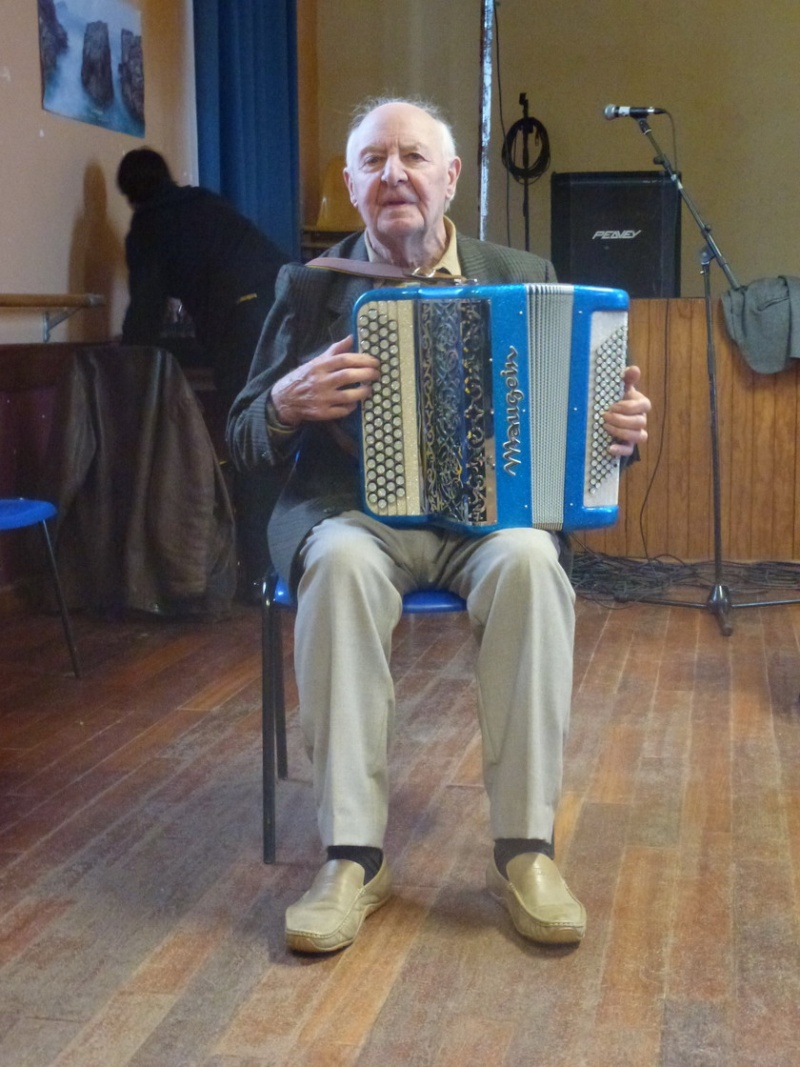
(489, 409)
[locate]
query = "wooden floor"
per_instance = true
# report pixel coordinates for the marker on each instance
(138, 925)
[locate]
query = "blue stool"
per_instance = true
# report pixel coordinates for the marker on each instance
(18, 513)
(278, 598)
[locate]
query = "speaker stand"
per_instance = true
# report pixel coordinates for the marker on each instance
(719, 601)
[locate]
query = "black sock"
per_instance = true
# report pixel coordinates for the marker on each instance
(370, 858)
(506, 848)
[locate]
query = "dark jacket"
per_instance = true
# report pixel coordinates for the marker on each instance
(192, 245)
(313, 308)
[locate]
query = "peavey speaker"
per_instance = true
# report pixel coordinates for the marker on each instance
(620, 229)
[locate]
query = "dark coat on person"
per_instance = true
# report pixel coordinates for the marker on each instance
(313, 308)
(189, 244)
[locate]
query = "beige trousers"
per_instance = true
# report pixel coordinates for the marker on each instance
(521, 606)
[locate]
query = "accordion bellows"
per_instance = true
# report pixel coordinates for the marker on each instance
(489, 408)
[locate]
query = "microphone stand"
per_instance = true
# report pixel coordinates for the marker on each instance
(719, 601)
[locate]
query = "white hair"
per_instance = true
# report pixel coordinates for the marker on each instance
(368, 106)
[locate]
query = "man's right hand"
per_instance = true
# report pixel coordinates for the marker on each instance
(329, 386)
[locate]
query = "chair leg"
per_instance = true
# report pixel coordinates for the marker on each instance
(268, 727)
(62, 604)
(273, 713)
(279, 694)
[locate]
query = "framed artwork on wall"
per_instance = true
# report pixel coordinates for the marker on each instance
(91, 58)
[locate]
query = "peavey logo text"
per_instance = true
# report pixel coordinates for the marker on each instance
(514, 397)
(615, 235)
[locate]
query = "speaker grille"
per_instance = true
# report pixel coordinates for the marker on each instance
(619, 229)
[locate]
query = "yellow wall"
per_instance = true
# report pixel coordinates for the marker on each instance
(728, 70)
(62, 221)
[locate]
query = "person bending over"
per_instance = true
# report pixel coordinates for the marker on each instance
(190, 245)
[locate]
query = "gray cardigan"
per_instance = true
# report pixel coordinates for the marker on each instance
(763, 318)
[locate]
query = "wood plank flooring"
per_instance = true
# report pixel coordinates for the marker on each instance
(139, 928)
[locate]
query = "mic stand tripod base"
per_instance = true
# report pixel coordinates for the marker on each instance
(718, 602)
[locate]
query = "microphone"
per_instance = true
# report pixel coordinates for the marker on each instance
(612, 111)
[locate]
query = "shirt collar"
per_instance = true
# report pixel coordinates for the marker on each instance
(449, 260)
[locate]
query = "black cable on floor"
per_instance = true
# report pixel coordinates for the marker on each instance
(596, 576)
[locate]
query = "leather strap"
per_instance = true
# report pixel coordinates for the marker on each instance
(388, 272)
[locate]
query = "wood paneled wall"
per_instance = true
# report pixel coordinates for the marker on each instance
(666, 498)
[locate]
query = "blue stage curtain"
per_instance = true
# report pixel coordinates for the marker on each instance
(246, 77)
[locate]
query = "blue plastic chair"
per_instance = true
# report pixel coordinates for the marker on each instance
(277, 598)
(17, 513)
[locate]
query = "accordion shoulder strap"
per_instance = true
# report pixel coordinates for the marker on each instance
(387, 271)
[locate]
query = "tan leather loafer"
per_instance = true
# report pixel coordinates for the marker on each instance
(538, 899)
(329, 916)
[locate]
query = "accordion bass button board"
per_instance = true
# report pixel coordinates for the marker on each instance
(488, 412)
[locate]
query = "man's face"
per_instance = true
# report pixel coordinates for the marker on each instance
(398, 175)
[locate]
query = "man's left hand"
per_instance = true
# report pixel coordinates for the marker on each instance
(626, 420)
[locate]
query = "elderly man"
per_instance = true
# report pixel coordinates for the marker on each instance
(351, 571)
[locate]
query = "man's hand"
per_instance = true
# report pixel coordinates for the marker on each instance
(626, 420)
(327, 387)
